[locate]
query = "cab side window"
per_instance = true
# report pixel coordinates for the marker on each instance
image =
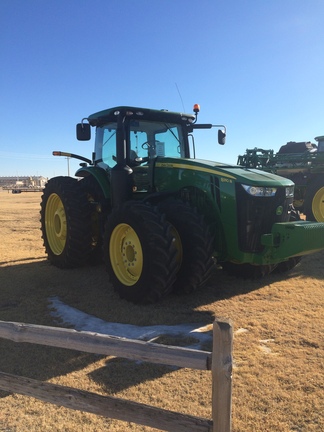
(109, 145)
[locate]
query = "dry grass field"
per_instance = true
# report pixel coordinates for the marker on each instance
(278, 378)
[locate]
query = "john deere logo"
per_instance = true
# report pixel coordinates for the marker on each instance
(279, 210)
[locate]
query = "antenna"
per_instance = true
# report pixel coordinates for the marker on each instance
(180, 97)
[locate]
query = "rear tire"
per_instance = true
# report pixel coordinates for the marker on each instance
(314, 201)
(139, 252)
(65, 223)
(194, 245)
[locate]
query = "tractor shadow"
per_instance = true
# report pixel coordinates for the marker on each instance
(26, 290)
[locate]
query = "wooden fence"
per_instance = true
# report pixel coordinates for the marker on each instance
(219, 362)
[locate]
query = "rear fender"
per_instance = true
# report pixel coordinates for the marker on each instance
(101, 176)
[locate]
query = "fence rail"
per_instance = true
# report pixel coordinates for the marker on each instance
(219, 362)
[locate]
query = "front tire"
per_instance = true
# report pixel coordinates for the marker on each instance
(194, 245)
(139, 253)
(65, 223)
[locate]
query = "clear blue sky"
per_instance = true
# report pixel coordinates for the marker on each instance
(256, 66)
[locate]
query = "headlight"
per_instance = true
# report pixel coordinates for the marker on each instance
(260, 191)
(290, 191)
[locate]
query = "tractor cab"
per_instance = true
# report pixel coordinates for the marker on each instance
(129, 141)
(320, 144)
(133, 136)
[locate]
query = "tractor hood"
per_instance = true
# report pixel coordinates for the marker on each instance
(233, 172)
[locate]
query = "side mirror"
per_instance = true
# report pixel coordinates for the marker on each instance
(83, 131)
(221, 137)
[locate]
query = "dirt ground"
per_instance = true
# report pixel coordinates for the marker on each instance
(278, 344)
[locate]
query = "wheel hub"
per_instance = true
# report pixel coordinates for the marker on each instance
(126, 254)
(129, 254)
(59, 223)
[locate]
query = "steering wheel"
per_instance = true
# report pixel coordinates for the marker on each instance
(146, 145)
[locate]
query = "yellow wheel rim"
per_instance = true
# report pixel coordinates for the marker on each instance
(126, 255)
(318, 205)
(55, 224)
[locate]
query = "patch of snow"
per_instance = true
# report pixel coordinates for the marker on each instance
(241, 330)
(81, 321)
(264, 348)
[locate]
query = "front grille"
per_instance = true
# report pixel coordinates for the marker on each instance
(256, 215)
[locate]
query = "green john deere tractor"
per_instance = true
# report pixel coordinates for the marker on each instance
(159, 218)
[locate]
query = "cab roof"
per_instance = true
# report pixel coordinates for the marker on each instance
(112, 114)
(319, 138)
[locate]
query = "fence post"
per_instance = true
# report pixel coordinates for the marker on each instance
(222, 375)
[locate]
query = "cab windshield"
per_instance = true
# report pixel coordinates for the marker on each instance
(145, 139)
